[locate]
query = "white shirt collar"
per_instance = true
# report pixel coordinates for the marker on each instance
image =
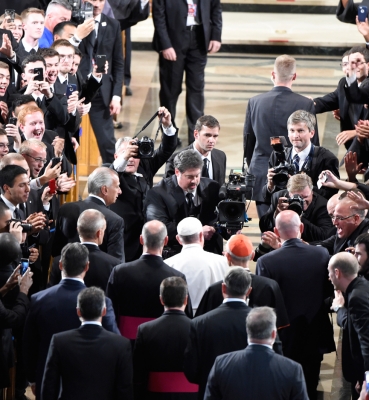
(91, 323)
(259, 344)
(303, 154)
(229, 299)
(28, 47)
(202, 156)
(100, 198)
(73, 279)
(91, 243)
(98, 18)
(40, 96)
(62, 78)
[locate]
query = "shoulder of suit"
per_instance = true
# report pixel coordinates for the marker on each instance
(323, 152)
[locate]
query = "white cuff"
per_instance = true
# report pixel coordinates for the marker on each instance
(117, 98)
(47, 206)
(120, 164)
(170, 131)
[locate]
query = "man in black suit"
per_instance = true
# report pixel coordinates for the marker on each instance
(267, 116)
(105, 39)
(350, 222)
(351, 304)
(103, 189)
(314, 214)
(206, 135)
(298, 268)
(265, 375)
(91, 226)
(88, 362)
(312, 160)
(136, 178)
(219, 331)
(133, 287)
(53, 311)
(265, 292)
(184, 34)
(186, 194)
(350, 111)
(159, 348)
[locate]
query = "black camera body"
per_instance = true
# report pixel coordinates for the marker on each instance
(296, 203)
(234, 194)
(81, 11)
(145, 147)
(283, 169)
(26, 227)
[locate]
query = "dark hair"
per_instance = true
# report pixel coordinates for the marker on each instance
(10, 249)
(188, 159)
(173, 291)
(206, 120)
(363, 239)
(32, 58)
(47, 52)
(74, 257)
(21, 100)
(58, 28)
(237, 281)
(2, 132)
(78, 52)
(91, 302)
(260, 323)
(362, 50)
(9, 173)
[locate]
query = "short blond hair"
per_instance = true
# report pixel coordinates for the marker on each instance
(284, 67)
(26, 111)
(297, 183)
(30, 144)
(31, 10)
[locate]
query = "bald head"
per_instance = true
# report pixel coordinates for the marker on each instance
(332, 202)
(154, 234)
(346, 263)
(288, 225)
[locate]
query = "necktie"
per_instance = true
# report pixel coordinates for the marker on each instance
(32, 51)
(296, 162)
(39, 102)
(190, 204)
(205, 170)
(17, 213)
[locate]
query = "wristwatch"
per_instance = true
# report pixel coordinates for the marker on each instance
(336, 308)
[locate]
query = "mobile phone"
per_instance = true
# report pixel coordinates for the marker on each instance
(52, 186)
(100, 62)
(71, 87)
(11, 14)
(362, 13)
(12, 121)
(39, 74)
(367, 381)
(24, 265)
(56, 160)
(88, 8)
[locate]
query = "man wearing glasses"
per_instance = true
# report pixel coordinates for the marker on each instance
(350, 113)
(350, 222)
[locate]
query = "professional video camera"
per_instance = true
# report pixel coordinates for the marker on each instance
(81, 11)
(232, 209)
(283, 169)
(296, 203)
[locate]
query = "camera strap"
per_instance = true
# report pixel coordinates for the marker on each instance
(149, 122)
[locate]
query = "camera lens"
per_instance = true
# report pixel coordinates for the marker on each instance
(280, 179)
(233, 211)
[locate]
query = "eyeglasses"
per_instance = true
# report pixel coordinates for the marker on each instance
(2, 145)
(38, 159)
(338, 218)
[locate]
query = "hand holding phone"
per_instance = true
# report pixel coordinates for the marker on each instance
(362, 13)
(24, 265)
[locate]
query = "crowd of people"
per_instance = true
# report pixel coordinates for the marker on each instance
(138, 292)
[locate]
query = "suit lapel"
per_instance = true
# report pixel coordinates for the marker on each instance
(315, 159)
(216, 168)
(102, 29)
(179, 197)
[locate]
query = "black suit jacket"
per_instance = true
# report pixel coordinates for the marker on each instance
(129, 204)
(301, 272)
(317, 223)
(89, 363)
(350, 112)
(170, 23)
(217, 332)
(267, 116)
(218, 161)
(166, 202)
(101, 265)
(109, 42)
(265, 292)
(334, 244)
(52, 311)
(322, 160)
(354, 319)
(134, 287)
(265, 375)
(160, 347)
(66, 227)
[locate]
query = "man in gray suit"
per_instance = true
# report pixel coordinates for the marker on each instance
(265, 374)
(267, 116)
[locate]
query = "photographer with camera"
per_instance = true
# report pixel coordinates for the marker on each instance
(136, 175)
(303, 156)
(310, 206)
